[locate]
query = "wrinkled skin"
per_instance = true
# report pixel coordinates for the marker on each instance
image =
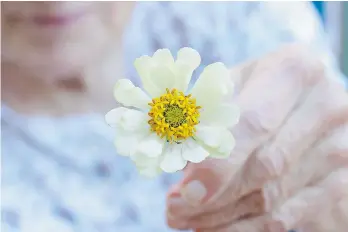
(289, 169)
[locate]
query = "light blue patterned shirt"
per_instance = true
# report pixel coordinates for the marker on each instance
(62, 175)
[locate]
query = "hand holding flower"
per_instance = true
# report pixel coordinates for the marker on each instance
(289, 169)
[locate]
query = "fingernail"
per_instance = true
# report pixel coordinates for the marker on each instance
(174, 191)
(276, 226)
(170, 216)
(177, 224)
(177, 207)
(173, 205)
(194, 192)
(176, 203)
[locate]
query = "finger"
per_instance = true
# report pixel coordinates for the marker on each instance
(256, 224)
(262, 114)
(311, 201)
(176, 223)
(242, 73)
(251, 205)
(329, 220)
(325, 109)
(329, 154)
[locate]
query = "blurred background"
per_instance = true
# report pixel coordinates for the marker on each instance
(335, 19)
(77, 188)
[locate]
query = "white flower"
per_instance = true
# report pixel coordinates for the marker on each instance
(169, 125)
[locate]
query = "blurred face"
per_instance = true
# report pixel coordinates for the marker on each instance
(60, 37)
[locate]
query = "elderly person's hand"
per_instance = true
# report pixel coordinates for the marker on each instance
(289, 169)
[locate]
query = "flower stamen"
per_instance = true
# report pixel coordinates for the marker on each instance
(174, 116)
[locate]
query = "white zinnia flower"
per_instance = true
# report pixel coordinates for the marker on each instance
(169, 125)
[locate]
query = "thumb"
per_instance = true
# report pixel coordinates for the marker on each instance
(262, 114)
(203, 181)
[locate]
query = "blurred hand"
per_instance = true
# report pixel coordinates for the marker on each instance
(289, 169)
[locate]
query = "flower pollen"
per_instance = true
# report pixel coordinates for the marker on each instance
(174, 116)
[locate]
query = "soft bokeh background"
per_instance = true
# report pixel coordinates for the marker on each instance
(335, 18)
(345, 38)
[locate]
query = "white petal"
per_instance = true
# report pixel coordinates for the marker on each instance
(193, 152)
(126, 142)
(114, 116)
(128, 95)
(218, 155)
(219, 140)
(228, 142)
(156, 76)
(213, 84)
(163, 56)
(151, 171)
(163, 77)
(209, 135)
(172, 159)
(134, 120)
(144, 66)
(151, 146)
(190, 57)
(183, 75)
(187, 61)
(143, 161)
(147, 166)
(160, 71)
(226, 147)
(225, 115)
(127, 119)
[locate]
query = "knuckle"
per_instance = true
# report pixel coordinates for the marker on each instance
(258, 123)
(327, 105)
(334, 109)
(340, 176)
(267, 166)
(337, 183)
(335, 145)
(337, 100)
(299, 59)
(273, 159)
(273, 194)
(176, 223)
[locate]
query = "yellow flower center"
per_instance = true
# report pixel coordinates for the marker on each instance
(174, 116)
